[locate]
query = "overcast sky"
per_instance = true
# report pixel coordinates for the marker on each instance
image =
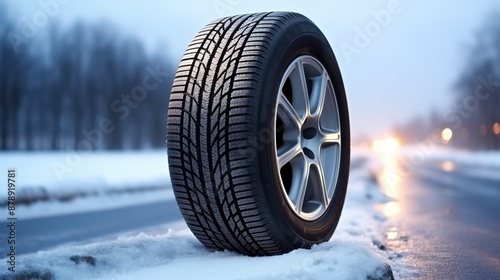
(406, 67)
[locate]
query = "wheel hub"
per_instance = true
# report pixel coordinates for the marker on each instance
(310, 141)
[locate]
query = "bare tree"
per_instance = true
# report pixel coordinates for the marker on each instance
(58, 90)
(478, 88)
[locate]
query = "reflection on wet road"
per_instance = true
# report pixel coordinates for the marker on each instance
(446, 215)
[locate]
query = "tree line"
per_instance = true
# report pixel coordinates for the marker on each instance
(86, 87)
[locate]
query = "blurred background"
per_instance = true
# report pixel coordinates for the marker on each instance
(411, 68)
(84, 87)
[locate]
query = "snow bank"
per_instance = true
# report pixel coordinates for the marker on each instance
(356, 251)
(67, 181)
(87, 204)
(178, 255)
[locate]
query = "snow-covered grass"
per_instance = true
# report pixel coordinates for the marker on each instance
(356, 251)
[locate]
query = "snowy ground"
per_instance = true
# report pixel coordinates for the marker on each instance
(356, 251)
(65, 171)
(65, 182)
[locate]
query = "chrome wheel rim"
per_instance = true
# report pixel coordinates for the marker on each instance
(307, 137)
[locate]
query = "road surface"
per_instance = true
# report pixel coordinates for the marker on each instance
(447, 217)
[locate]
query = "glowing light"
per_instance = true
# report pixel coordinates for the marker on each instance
(391, 208)
(388, 145)
(496, 129)
(446, 135)
(448, 166)
(388, 150)
(378, 145)
(392, 144)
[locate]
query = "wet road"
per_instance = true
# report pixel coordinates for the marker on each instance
(44, 233)
(447, 217)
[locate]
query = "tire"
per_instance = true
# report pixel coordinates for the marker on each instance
(245, 128)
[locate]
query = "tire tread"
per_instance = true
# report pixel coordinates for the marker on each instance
(211, 115)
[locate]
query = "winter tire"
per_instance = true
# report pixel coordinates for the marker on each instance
(258, 135)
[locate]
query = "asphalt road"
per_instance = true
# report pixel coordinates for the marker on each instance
(44, 233)
(447, 219)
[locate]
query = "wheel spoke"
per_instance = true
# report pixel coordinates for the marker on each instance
(287, 113)
(287, 153)
(304, 93)
(318, 95)
(322, 187)
(299, 186)
(300, 92)
(331, 138)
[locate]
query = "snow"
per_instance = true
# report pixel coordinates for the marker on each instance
(485, 164)
(356, 250)
(106, 180)
(178, 255)
(51, 183)
(484, 159)
(87, 204)
(64, 171)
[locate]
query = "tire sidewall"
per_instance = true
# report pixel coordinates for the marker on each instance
(300, 38)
